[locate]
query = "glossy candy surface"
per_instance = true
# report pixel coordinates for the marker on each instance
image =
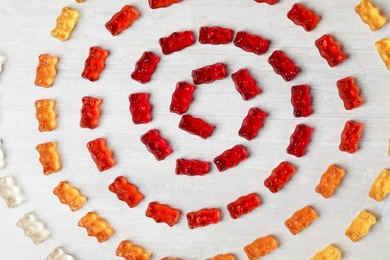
(162, 3)
(163, 213)
(223, 257)
(203, 217)
(59, 254)
(360, 226)
(181, 98)
(177, 41)
(381, 186)
(349, 93)
(69, 195)
(96, 226)
(49, 157)
(215, 35)
(300, 219)
(65, 24)
(243, 205)
(329, 181)
(261, 247)
(122, 20)
(279, 176)
(2, 160)
(252, 123)
(95, 63)
(126, 191)
(231, 158)
(303, 16)
(299, 140)
(90, 112)
(270, 2)
(351, 136)
(196, 126)
(46, 70)
(10, 192)
(140, 108)
(383, 47)
(145, 67)
(33, 228)
(209, 74)
(370, 15)
(283, 65)
(192, 167)
(330, 252)
(330, 50)
(46, 115)
(157, 145)
(251, 42)
(101, 154)
(301, 101)
(245, 84)
(130, 251)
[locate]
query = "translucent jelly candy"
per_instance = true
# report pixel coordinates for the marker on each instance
(192, 167)
(209, 74)
(129, 251)
(381, 186)
(2, 160)
(90, 112)
(122, 20)
(328, 253)
(251, 43)
(33, 228)
(145, 67)
(46, 115)
(349, 93)
(270, 2)
(196, 126)
(126, 191)
(182, 98)
(95, 63)
(230, 158)
(69, 195)
(279, 176)
(383, 47)
(96, 226)
(49, 157)
(80, 1)
(261, 247)
(330, 180)
(140, 108)
(101, 154)
(299, 140)
(215, 35)
(203, 217)
(360, 226)
(252, 123)
(223, 257)
(301, 100)
(177, 41)
(46, 70)
(2, 60)
(65, 24)
(303, 16)
(330, 50)
(245, 84)
(370, 15)
(162, 3)
(243, 205)
(300, 219)
(10, 192)
(59, 254)
(163, 213)
(157, 145)
(283, 65)
(351, 136)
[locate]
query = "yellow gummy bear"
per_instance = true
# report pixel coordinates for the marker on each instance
(328, 253)
(360, 226)
(370, 15)
(65, 24)
(383, 47)
(381, 186)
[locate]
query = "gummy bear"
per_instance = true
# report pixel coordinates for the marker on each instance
(122, 20)
(243, 205)
(360, 226)
(279, 176)
(196, 126)
(245, 84)
(330, 180)
(157, 145)
(330, 50)
(203, 217)
(95, 63)
(349, 93)
(130, 251)
(351, 136)
(126, 191)
(101, 154)
(163, 213)
(192, 167)
(2, 60)
(223, 257)
(301, 100)
(303, 16)
(299, 140)
(69, 195)
(140, 108)
(145, 67)
(182, 98)
(33, 228)
(300, 219)
(230, 158)
(270, 2)
(46, 70)
(328, 253)
(46, 115)
(261, 247)
(177, 41)
(251, 42)
(10, 192)
(370, 15)
(215, 35)
(383, 47)
(96, 226)
(65, 24)
(59, 254)
(283, 65)
(252, 123)
(80, 1)
(49, 157)
(209, 74)
(2, 160)
(90, 112)
(162, 3)
(381, 186)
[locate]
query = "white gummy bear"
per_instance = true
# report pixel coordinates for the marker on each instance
(2, 59)
(10, 192)
(59, 254)
(2, 161)
(33, 228)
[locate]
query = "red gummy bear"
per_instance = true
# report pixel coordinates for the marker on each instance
(95, 63)
(349, 93)
(181, 98)
(122, 20)
(301, 100)
(243, 205)
(101, 154)
(209, 74)
(192, 167)
(351, 136)
(145, 67)
(330, 50)
(270, 2)
(140, 108)
(279, 176)
(90, 112)
(203, 217)
(126, 191)
(163, 213)
(245, 84)
(215, 35)
(177, 41)
(299, 140)
(252, 123)
(162, 3)
(196, 126)
(155, 144)
(251, 43)
(303, 16)
(230, 158)
(283, 65)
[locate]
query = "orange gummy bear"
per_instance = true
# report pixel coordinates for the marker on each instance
(261, 247)
(46, 70)
(223, 257)
(129, 251)
(330, 180)
(300, 219)
(69, 195)
(96, 226)
(49, 157)
(46, 114)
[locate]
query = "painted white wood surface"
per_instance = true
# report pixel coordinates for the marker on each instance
(25, 33)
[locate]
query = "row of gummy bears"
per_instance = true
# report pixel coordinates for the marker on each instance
(181, 99)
